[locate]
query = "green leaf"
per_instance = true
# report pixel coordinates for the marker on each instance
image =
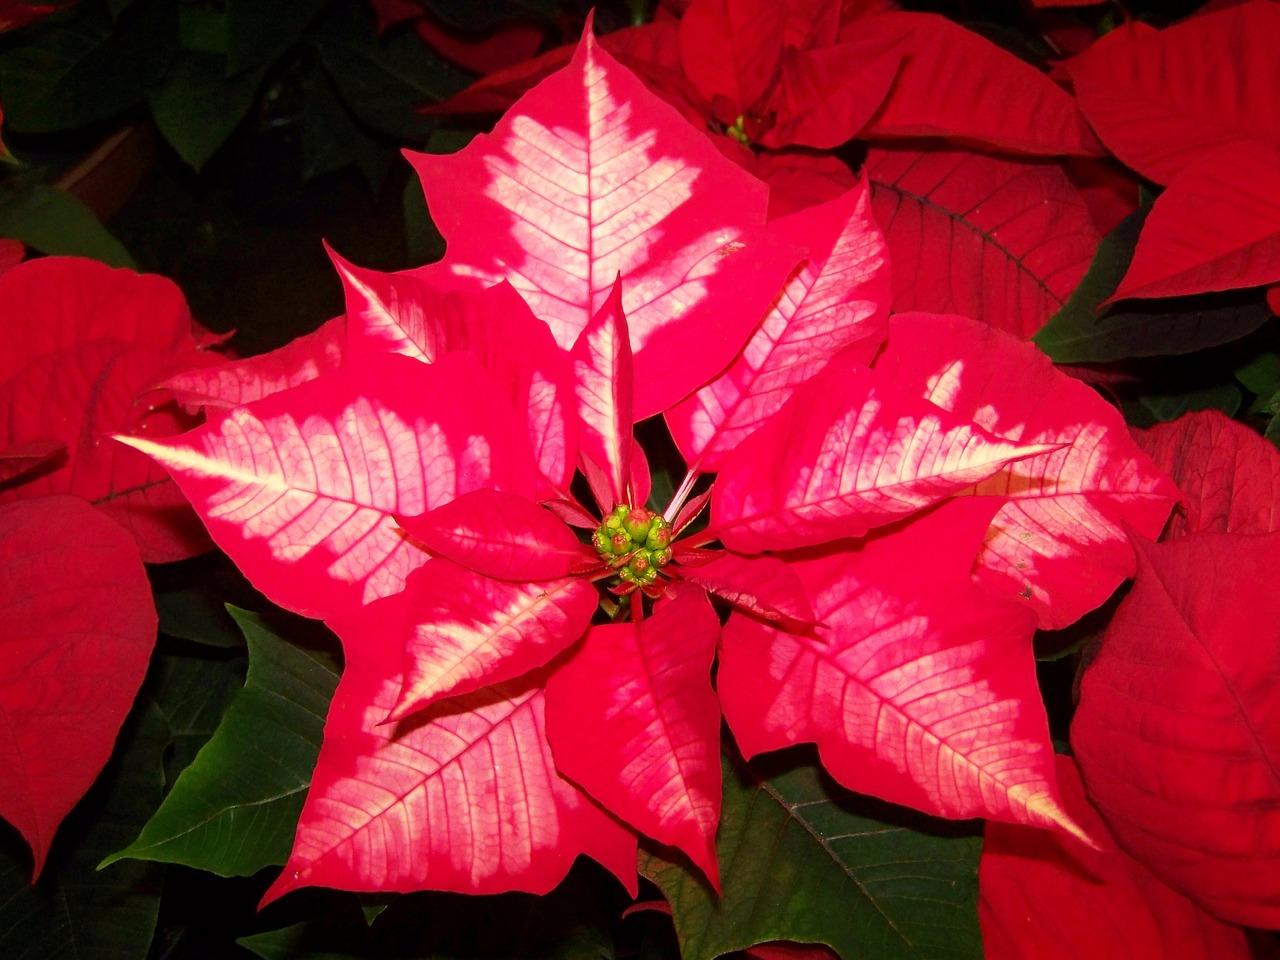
(261, 31)
(310, 940)
(803, 860)
(197, 107)
(84, 68)
(384, 81)
(74, 910)
(53, 221)
(192, 690)
(233, 810)
(1155, 408)
(1260, 375)
(1142, 328)
(331, 139)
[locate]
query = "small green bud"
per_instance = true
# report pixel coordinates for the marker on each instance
(619, 544)
(637, 523)
(659, 535)
(661, 557)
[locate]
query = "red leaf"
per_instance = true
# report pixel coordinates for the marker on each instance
(467, 801)
(955, 83)
(781, 950)
(77, 398)
(918, 687)
(403, 313)
(604, 388)
(825, 97)
(850, 451)
(507, 44)
(78, 624)
(588, 177)
(1059, 542)
(462, 631)
(1217, 227)
(238, 382)
(632, 719)
(11, 251)
(1178, 732)
(1120, 910)
(20, 459)
(798, 180)
(764, 586)
(837, 300)
(499, 535)
(1228, 475)
(59, 303)
(19, 13)
(730, 51)
(301, 488)
(1002, 241)
(1163, 100)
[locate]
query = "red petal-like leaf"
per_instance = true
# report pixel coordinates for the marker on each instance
(403, 313)
(851, 450)
(1178, 728)
(798, 180)
(1228, 475)
(838, 299)
(462, 631)
(1217, 227)
(78, 397)
(730, 49)
(918, 687)
(604, 388)
(58, 303)
(22, 458)
(11, 251)
(1060, 542)
(1120, 910)
(822, 101)
(500, 535)
(588, 177)
(302, 488)
(1002, 241)
(1163, 100)
(633, 720)
(78, 625)
(506, 44)
(467, 801)
(764, 586)
(955, 83)
(238, 382)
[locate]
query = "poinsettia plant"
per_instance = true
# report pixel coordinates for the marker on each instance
(782, 524)
(887, 523)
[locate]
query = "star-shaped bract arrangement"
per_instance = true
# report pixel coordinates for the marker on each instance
(887, 525)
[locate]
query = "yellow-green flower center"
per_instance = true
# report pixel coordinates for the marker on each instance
(635, 541)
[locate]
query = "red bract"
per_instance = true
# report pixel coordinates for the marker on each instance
(78, 625)
(605, 263)
(1120, 910)
(1177, 732)
(1228, 475)
(1195, 107)
(1060, 541)
(85, 345)
(1003, 241)
(923, 697)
